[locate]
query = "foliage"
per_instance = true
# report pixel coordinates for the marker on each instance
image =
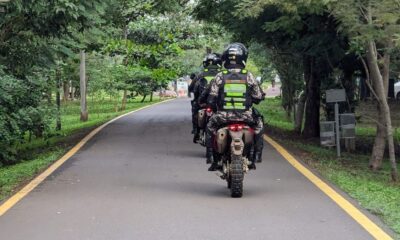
(374, 26)
(19, 113)
(134, 46)
(291, 32)
(263, 60)
(30, 43)
(368, 20)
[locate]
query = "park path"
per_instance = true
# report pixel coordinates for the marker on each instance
(142, 178)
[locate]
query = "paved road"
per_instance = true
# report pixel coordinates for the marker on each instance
(142, 178)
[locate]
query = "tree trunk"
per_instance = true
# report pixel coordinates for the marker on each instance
(82, 75)
(298, 122)
(151, 96)
(72, 96)
(144, 97)
(65, 91)
(311, 127)
(378, 150)
(381, 93)
(349, 85)
(58, 101)
(124, 100)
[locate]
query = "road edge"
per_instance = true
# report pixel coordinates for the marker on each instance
(18, 196)
(371, 227)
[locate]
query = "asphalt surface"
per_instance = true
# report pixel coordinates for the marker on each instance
(143, 178)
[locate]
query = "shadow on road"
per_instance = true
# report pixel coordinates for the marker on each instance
(205, 189)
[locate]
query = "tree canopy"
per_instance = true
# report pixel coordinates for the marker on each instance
(134, 47)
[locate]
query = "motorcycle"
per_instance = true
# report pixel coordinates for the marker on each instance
(234, 150)
(204, 116)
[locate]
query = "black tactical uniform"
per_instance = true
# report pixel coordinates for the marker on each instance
(234, 91)
(212, 64)
(193, 102)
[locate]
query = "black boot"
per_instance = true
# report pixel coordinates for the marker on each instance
(210, 150)
(256, 158)
(194, 128)
(196, 136)
(258, 147)
(214, 166)
(209, 155)
(252, 166)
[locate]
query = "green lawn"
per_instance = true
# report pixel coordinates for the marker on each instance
(373, 191)
(275, 116)
(37, 155)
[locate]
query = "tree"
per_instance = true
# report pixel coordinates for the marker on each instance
(131, 45)
(374, 28)
(20, 114)
(290, 29)
(156, 43)
(29, 44)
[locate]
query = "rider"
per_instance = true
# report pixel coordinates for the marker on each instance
(193, 102)
(191, 86)
(212, 64)
(233, 92)
(259, 143)
(206, 88)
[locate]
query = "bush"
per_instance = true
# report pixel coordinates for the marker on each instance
(21, 112)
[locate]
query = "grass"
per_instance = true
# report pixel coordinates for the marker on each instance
(373, 190)
(38, 154)
(366, 127)
(274, 114)
(99, 112)
(11, 177)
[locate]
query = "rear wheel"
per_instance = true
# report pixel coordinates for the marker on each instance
(236, 176)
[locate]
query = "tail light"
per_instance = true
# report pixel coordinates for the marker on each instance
(236, 127)
(209, 110)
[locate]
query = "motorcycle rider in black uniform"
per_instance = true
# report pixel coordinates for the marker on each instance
(191, 90)
(212, 64)
(234, 91)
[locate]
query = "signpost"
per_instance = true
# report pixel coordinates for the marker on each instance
(336, 96)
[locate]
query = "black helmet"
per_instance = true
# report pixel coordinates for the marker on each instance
(192, 76)
(212, 59)
(235, 56)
